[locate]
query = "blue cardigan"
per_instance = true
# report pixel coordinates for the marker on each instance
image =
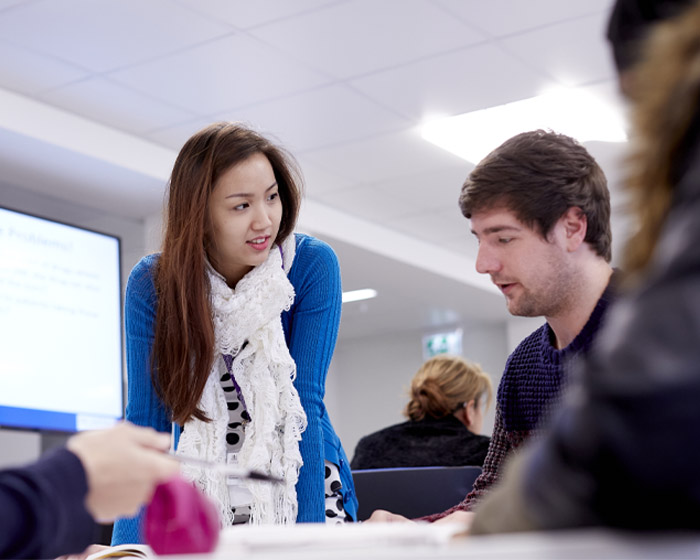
(311, 329)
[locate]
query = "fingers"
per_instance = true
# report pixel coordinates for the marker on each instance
(383, 516)
(146, 448)
(462, 517)
(146, 437)
(123, 465)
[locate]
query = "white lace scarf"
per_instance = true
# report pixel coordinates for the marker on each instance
(264, 371)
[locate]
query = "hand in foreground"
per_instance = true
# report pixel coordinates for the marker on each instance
(123, 466)
(383, 516)
(459, 517)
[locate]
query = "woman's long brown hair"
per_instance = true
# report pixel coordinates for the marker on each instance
(183, 347)
(666, 96)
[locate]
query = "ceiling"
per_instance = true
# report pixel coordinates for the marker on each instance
(97, 96)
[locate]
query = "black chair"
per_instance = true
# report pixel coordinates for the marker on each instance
(412, 492)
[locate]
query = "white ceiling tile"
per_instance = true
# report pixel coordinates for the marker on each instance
(319, 117)
(505, 17)
(437, 188)
(62, 173)
(609, 91)
(220, 75)
(127, 110)
(466, 246)
(382, 157)
(244, 14)
(27, 72)
(108, 34)
(434, 226)
(362, 36)
(611, 156)
(573, 52)
(458, 82)
(318, 181)
(367, 203)
(175, 136)
(5, 4)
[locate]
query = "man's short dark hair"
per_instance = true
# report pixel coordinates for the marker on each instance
(538, 176)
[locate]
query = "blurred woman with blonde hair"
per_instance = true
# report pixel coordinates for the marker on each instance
(445, 415)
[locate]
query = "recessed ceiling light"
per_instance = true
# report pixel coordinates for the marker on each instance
(575, 113)
(359, 295)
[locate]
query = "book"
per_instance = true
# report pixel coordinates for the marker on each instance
(123, 551)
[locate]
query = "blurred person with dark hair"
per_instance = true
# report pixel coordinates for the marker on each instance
(50, 507)
(449, 397)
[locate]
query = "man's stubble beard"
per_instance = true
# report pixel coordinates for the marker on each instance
(550, 298)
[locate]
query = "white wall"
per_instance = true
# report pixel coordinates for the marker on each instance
(368, 382)
(18, 447)
(520, 327)
(369, 378)
(153, 232)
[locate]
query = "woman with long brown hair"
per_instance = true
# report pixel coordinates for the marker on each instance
(230, 332)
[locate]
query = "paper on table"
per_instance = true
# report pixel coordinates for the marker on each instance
(313, 535)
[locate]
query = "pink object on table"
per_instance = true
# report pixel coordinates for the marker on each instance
(180, 520)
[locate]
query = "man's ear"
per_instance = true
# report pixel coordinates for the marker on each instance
(575, 227)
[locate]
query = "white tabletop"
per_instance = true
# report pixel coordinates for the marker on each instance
(317, 542)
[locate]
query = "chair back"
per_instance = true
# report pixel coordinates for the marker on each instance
(412, 492)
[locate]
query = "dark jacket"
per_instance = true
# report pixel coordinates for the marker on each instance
(443, 442)
(42, 508)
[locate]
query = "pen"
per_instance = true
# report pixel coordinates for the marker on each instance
(228, 470)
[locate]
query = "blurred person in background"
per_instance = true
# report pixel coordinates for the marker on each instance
(623, 451)
(51, 506)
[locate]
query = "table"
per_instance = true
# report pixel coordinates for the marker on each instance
(596, 544)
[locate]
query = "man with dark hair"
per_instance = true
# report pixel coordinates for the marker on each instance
(540, 209)
(538, 176)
